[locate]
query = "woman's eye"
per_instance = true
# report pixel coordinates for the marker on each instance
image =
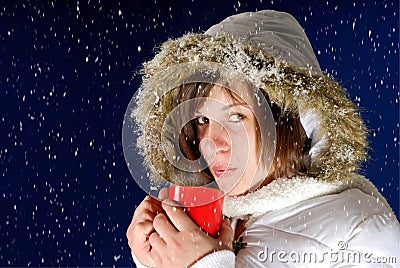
(201, 120)
(236, 117)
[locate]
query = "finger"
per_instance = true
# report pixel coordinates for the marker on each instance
(142, 226)
(153, 204)
(157, 242)
(146, 206)
(139, 234)
(155, 256)
(144, 216)
(145, 228)
(178, 217)
(164, 228)
(147, 209)
(163, 194)
(226, 233)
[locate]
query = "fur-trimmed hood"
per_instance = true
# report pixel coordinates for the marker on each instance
(290, 75)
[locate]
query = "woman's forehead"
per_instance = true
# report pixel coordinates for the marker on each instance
(221, 99)
(227, 95)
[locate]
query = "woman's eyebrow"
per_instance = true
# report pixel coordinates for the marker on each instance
(227, 107)
(244, 104)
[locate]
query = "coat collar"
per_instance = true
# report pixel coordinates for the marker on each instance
(283, 192)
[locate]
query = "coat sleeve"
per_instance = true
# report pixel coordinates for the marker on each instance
(138, 264)
(218, 259)
(377, 241)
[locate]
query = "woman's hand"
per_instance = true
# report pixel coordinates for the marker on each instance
(179, 242)
(141, 228)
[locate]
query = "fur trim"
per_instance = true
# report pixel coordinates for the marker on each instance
(282, 193)
(332, 121)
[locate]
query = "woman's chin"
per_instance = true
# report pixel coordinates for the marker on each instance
(233, 189)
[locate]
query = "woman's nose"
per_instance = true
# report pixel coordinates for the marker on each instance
(215, 138)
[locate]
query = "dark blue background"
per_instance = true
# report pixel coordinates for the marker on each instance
(67, 73)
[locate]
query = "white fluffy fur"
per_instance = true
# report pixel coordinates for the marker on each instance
(283, 193)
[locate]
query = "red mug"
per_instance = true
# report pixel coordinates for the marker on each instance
(203, 205)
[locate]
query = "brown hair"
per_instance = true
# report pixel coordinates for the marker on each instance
(292, 143)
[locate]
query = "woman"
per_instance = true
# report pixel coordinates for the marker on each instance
(306, 206)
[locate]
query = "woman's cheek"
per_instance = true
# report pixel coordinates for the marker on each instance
(208, 150)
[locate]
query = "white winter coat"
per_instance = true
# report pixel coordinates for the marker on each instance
(330, 217)
(303, 222)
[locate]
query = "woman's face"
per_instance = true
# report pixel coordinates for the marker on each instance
(227, 135)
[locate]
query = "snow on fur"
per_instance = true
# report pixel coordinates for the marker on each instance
(333, 122)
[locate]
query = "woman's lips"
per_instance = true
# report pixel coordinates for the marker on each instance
(222, 171)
